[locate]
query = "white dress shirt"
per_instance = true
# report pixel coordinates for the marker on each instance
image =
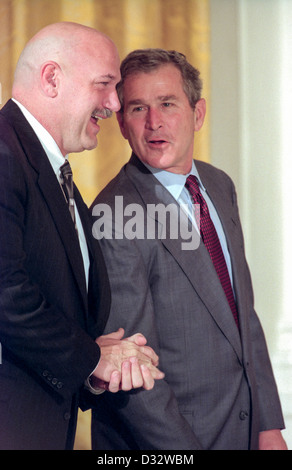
(57, 160)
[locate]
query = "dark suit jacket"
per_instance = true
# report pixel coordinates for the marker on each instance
(47, 320)
(219, 390)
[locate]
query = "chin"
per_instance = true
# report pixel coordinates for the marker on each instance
(91, 145)
(159, 162)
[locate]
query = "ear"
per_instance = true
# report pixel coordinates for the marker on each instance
(200, 112)
(50, 78)
(120, 118)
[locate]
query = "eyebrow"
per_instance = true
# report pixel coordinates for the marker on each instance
(134, 102)
(167, 98)
(160, 98)
(108, 75)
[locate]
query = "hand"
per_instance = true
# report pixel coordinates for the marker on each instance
(125, 363)
(272, 440)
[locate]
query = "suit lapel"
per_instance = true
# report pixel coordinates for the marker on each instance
(196, 264)
(56, 203)
(228, 213)
(51, 191)
(99, 293)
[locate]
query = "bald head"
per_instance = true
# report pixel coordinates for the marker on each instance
(59, 42)
(61, 67)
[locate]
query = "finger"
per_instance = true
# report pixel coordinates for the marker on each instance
(148, 381)
(150, 353)
(126, 382)
(141, 341)
(137, 378)
(138, 339)
(114, 383)
(155, 373)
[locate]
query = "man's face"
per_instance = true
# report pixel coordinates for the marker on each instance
(158, 120)
(88, 90)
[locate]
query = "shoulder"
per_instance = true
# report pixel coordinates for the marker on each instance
(206, 169)
(11, 152)
(8, 138)
(11, 122)
(121, 185)
(212, 176)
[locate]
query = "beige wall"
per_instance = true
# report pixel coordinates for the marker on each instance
(251, 102)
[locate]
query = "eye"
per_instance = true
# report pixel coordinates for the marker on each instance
(102, 84)
(138, 109)
(167, 105)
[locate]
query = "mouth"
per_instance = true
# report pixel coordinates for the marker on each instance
(156, 143)
(99, 114)
(95, 118)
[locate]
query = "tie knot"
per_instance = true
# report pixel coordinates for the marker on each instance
(192, 184)
(66, 170)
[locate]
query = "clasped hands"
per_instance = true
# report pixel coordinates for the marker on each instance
(125, 363)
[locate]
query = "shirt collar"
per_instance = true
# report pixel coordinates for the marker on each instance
(174, 183)
(48, 143)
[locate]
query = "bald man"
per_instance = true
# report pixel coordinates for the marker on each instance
(51, 317)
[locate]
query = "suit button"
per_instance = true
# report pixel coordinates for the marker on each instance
(243, 415)
(54, 381)
(59, 385)
(45, 373)
(67, 416)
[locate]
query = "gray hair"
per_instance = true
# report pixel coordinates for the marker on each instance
(147, 60)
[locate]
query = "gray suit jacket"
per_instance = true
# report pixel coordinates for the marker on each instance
(219, 390)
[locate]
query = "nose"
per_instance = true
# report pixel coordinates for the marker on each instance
(112, 101)
(153, 119)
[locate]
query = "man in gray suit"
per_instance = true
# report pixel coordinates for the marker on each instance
(219, 391)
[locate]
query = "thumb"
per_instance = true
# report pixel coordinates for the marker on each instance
(115, 335)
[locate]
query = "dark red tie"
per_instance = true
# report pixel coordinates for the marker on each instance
(211, 241)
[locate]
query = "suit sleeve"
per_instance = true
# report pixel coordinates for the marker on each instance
(149, 419)
(33, 332)
(269, 403)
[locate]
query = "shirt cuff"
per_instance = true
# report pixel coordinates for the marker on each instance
(88, 385)
(93, 390)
